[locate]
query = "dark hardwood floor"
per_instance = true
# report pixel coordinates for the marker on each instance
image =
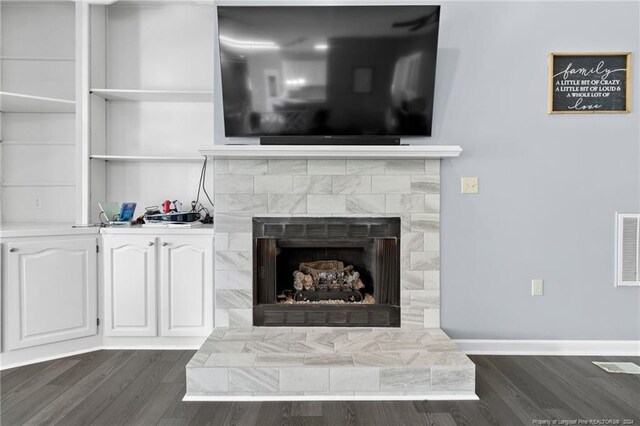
(146, 388)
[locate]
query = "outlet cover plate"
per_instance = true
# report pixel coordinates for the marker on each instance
(537, 287)
(469, 185)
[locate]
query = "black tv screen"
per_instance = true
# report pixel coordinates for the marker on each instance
(328, 70)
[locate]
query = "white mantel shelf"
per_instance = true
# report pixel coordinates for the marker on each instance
(399, 152)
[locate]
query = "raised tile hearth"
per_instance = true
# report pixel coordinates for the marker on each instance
(416, 360)
(318, 363)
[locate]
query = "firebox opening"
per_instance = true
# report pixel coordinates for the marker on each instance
(326, 271)
(324, 275)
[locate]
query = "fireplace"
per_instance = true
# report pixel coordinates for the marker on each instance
(326, 271)
(273, 214)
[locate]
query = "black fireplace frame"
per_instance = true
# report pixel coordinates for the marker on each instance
(380, 236)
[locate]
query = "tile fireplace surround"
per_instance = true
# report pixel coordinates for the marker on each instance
(415, 361)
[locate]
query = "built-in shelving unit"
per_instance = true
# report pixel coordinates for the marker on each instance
(102, 102)
(150, 92)
(154, 95)
(38, 112)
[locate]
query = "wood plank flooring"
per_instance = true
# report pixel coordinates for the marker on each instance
(146, 388)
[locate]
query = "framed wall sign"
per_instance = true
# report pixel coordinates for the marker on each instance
(589, 83)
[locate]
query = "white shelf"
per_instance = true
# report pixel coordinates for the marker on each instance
(31, 229)
(145, 158)
(16, 102)
(382, 152)
(155, 95)
(37, 143)
(38, 184)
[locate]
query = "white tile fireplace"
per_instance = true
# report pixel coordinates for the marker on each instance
(406, 188)
(240, 360)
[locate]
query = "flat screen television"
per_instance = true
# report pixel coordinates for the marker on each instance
(328, 70)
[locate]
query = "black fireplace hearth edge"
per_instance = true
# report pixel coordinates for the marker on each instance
(326, 315)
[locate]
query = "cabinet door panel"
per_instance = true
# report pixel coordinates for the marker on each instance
(51, 292)
(130, 289)
(186, 279)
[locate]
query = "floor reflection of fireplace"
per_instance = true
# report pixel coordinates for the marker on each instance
(326, 271)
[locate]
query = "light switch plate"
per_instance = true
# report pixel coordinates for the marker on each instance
(537, 287)
(469, 185)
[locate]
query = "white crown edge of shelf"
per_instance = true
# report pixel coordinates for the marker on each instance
(157, 158)
(382, 152)
(12, 142)
(136, 95)
(37, 58)
(33, 184)
(23, 103)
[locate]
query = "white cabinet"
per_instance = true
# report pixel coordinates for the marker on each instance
(158, 280)
(51, 291)
(130, 286)
(186, 286)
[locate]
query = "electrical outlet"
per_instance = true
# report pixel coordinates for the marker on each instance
(469, 185)
(37, 203)
(537, 287)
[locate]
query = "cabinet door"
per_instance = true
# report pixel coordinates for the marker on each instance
(186, 286)
(130, 286)
(51, 291)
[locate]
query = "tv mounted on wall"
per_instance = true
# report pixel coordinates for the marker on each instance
(329, 71)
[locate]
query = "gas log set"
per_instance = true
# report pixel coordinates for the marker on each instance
(326, 281)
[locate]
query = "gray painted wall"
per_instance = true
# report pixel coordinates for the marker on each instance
(549, 184)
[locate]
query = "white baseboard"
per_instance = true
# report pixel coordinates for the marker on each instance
(550, 347)
(12, 360)
(13, 364)
(158, 343)
(468, 346)
(150, 348)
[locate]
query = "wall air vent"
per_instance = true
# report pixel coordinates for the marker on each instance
(628, 250)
